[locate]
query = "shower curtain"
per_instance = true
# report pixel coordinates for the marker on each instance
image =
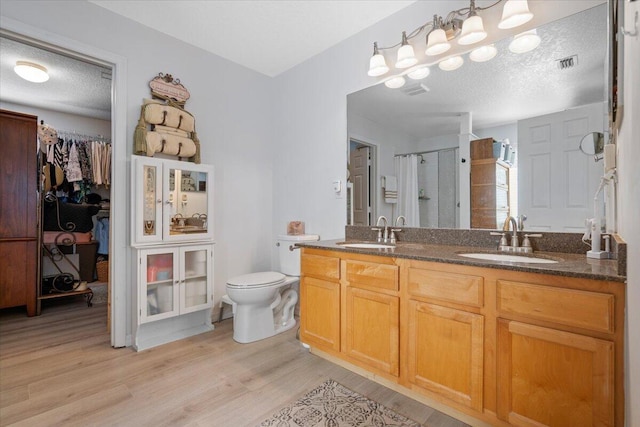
(406, 168)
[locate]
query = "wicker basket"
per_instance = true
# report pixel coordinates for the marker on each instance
(102, 269)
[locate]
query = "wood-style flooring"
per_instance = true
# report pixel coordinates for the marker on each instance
(59, 369)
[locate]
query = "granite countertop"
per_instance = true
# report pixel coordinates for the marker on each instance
(569, 264)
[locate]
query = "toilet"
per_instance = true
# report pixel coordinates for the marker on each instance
(261, 308)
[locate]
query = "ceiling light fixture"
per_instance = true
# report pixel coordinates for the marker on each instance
(524, 42)
(32, 72)
(395, 82)
(419, 73)
(466, 25)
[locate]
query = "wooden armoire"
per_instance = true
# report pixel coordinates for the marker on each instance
(19, 228)
(489, 186)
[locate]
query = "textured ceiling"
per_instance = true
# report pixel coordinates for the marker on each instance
(266, 36)
(508, 88)
(74, 86)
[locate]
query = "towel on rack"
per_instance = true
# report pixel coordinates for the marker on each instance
(390, 189)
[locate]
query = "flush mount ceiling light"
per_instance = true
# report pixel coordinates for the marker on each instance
(32, 72)
(466, 25)
(451, 64)
(524, 42)
(483, 54)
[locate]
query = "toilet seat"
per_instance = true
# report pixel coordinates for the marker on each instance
(256, 280)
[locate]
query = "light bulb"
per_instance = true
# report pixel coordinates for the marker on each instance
(395, 83)
(31, 72)
(484, 53)
(452, 63)
(524, 42)
(514, 14)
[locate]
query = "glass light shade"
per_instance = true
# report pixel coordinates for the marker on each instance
(451, 64)
(484, 53)
(419, 73)
(395, 82)
(406, 57)
(437, 42)
(472, 31)
(524, 42)
(32, 72)
(377, 65)
(514, 14)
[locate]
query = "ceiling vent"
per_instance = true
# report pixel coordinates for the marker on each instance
(568, 62)
(415, 90)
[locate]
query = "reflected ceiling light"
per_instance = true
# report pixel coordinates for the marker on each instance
(472, 27)
(514, 14)
(377, 64)
(452, 63)
(32, 72)
(524, 42)
(484, 53)
(406, 55)
(419, 73)
(395, 82)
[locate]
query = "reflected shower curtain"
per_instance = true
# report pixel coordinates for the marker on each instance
(407, 172)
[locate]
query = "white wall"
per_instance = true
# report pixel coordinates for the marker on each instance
(499, 133)
(233, 110)
(629, 209)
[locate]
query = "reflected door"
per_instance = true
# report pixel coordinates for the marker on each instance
(359, 161)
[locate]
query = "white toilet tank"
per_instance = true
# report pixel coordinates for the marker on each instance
(290, 259)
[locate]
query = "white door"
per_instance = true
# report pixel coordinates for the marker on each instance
(556, 181)
(359, 163)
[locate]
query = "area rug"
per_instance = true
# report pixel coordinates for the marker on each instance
(333, 405)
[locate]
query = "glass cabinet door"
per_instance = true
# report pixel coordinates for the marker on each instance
(160, 284)
(190, 200)
(195, 292)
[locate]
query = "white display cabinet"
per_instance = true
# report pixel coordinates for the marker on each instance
(174, 281)
(172, 200)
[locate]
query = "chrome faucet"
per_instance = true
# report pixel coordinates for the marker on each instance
(401, 217)
(514, 234)
(392, 236)
(382, 239)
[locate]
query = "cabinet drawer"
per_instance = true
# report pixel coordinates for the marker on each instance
(583, 309)
(450, 287)
(371, 274)
(323, 267)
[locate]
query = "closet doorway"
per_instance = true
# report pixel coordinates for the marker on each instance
(79, 117)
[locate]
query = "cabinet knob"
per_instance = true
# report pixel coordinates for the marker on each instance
(159, 201)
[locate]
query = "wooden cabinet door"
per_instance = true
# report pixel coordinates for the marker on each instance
(320, 313)
(548, 377)
(445, 352)
(372, 329)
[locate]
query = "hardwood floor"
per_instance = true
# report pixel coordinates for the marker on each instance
(59, 369)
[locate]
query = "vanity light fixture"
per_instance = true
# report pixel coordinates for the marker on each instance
(31, 71)
(377, 64)
(465, 24)
(406, 55)
(472, 27)
(483, 53)
(514, 14)
(524, 42)
(452, 63)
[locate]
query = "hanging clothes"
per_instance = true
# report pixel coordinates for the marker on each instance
(102, 235)
(74, 170)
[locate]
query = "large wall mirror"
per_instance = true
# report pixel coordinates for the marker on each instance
(541, 102)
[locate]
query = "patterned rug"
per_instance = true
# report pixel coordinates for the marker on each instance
(333, 405)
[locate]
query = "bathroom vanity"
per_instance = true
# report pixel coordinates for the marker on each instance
(504, 343)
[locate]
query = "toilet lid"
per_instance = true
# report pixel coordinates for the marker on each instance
(265, 278)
